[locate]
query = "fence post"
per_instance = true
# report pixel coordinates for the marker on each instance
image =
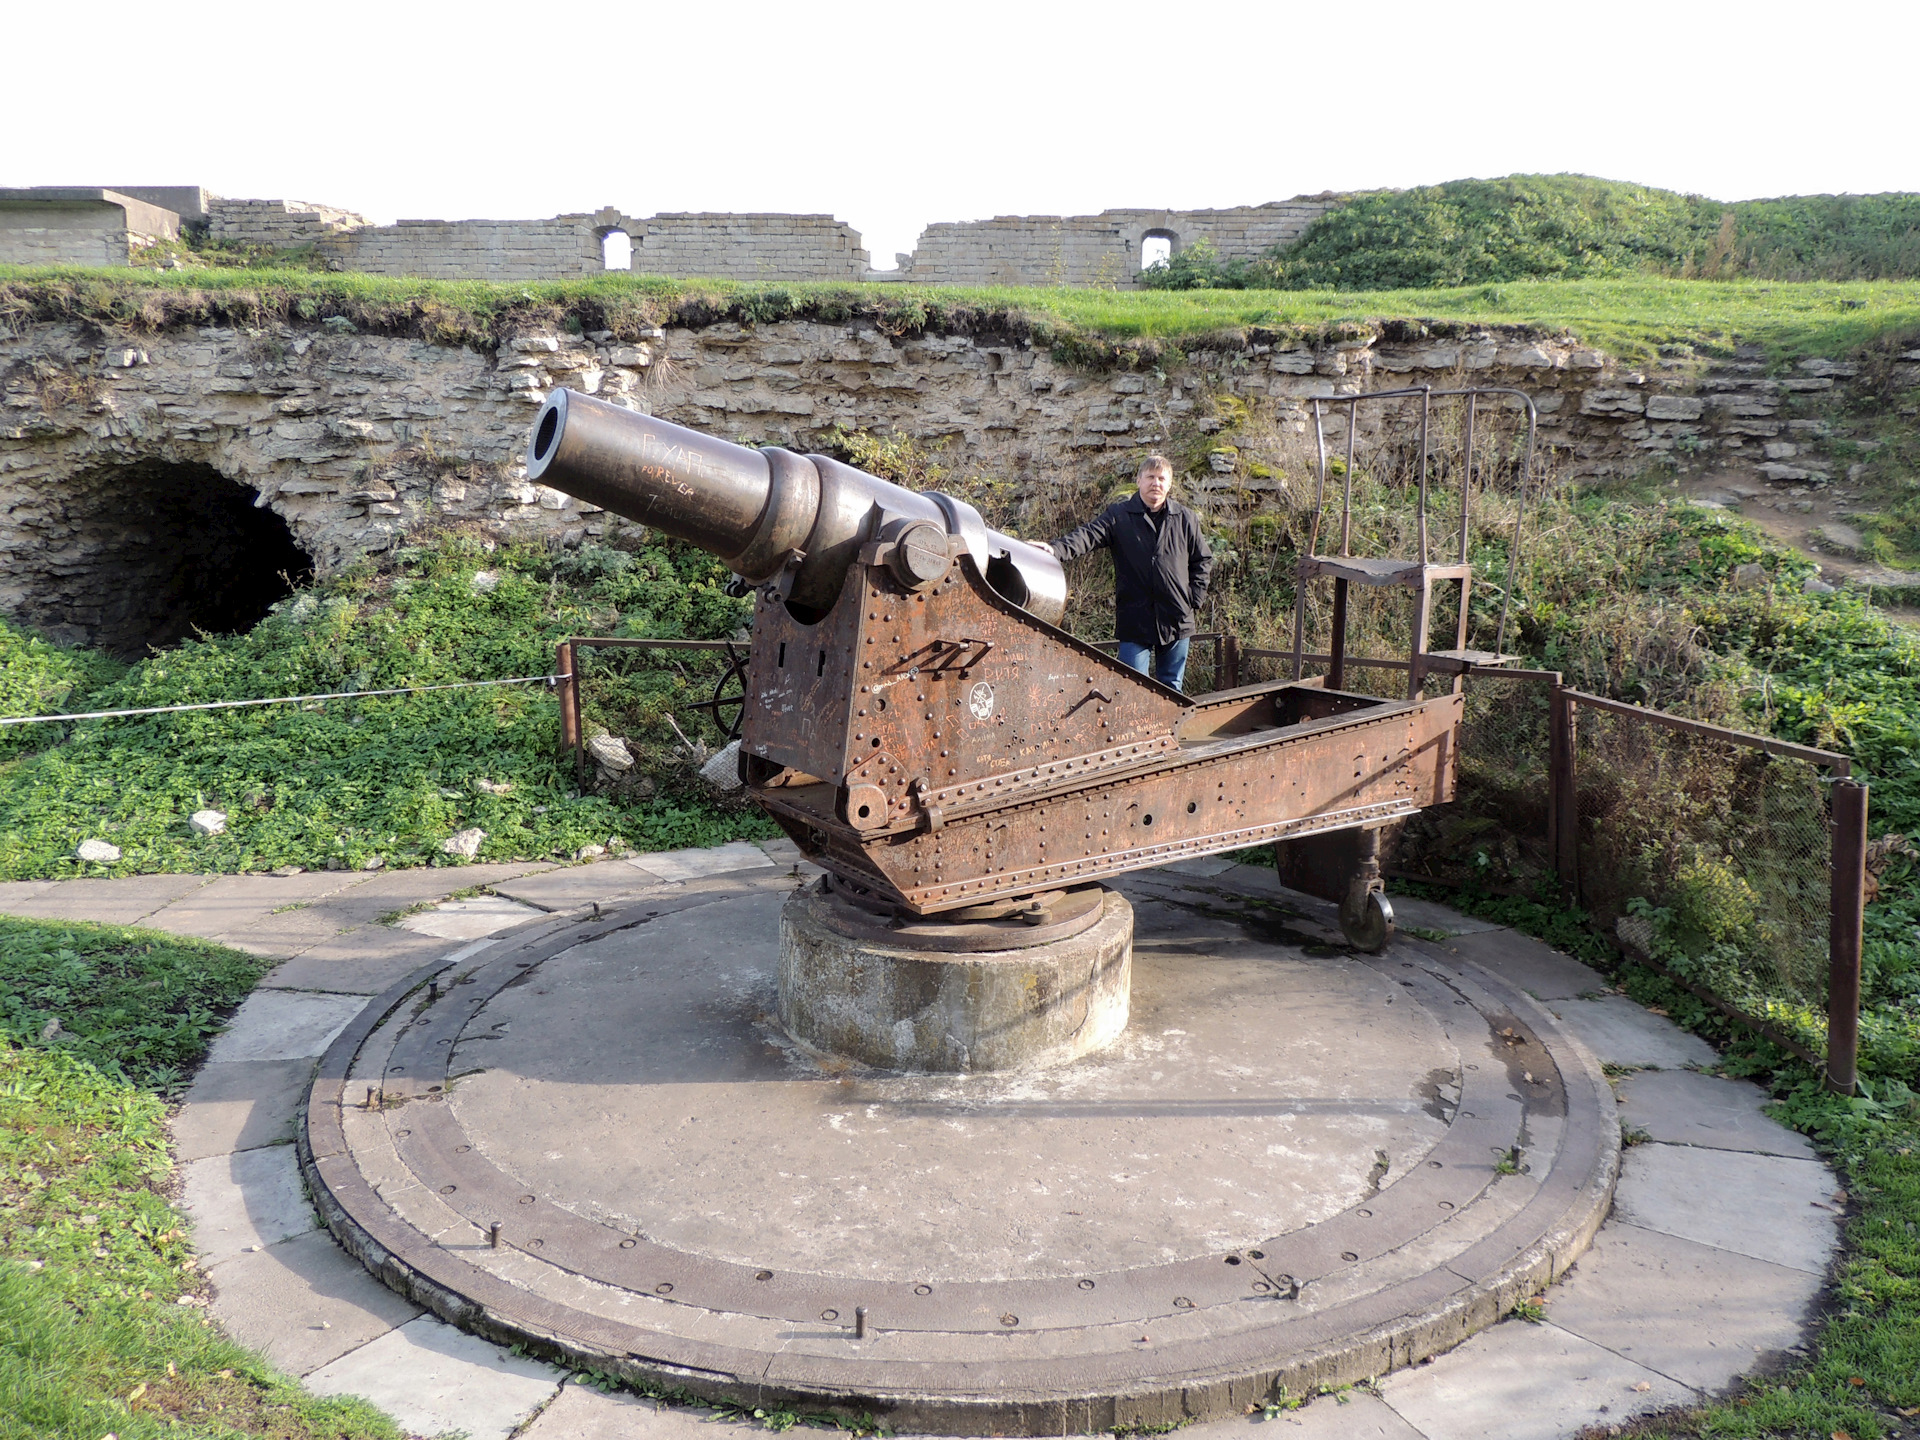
(1563, 801)
(1846, 918)
(569, 696)
(1231, 645)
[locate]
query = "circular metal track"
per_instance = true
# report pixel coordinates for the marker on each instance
(1405, 1268)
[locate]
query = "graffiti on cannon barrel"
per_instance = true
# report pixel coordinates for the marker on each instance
(915, 719)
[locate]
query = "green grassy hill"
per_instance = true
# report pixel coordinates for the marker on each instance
(1574, 227)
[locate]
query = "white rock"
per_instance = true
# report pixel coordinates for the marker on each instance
(484, 582)
(494, 787)
(1814, 585)
(207, 822)
(531, 344)
(611, 752)
(464, 843)
(589, 852)
(97, 852)
(374, 862)
(723, 770)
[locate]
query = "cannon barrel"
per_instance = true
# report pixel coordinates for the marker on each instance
(757, 509)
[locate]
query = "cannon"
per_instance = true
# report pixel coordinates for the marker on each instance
(915, 719)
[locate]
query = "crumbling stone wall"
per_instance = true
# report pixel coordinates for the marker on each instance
(357, 441)
(750, 247)
(1101, 249)
(276, 224)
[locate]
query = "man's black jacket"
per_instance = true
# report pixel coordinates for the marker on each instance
(1161, 564)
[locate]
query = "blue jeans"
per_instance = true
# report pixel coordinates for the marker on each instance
(1169, 661)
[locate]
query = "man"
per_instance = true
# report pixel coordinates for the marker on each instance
(1161, 563)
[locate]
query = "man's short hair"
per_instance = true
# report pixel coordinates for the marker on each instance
(1155, 462)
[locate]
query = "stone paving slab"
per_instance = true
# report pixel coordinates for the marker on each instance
(125, 900)
(360, 962)
(693, 864)
(472, 919)
(1410, 912)
(304, 1302)
(1526, 1382)
(604, 882)
(285, 1025)
(18, 892)
(236, 902)
(1764, 1206)
(1540, 970)
(1355, 1415)
(580, 1412)
(434, 1379)
(246, 1200)
(1696, 1314)
(1684, 1107)
(283, 934)
(240, 1105)
(396, 890)
(1620, 1032)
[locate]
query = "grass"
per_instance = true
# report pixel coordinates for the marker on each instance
(1632, 317)
(102, 1327)
(382, 781)
(138, 1006)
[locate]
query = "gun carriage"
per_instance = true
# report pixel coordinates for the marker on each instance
(917, 721)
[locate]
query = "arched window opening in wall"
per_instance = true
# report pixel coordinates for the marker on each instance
(1156, 248)
(616, 250)
(153, 553)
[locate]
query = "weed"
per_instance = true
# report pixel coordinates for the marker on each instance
(1531, 1311)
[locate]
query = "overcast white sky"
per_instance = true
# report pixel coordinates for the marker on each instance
(894, 116)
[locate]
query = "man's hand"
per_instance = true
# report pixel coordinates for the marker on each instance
(1041, 545)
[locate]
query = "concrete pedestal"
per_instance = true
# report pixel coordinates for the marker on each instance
(852, 990)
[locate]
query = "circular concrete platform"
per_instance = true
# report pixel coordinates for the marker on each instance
(1292, 1169)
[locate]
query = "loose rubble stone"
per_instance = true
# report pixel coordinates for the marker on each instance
(464, 843)
(589, 852)
(97, 852)
(485, 582)
(610, 752)
(207, 822)
(494, 787)
(1750, 576)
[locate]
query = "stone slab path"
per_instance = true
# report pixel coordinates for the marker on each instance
(1725, 1224)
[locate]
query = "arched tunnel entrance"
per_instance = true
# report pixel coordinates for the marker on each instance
(142, 556)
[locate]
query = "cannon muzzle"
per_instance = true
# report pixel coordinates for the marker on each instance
(766, 513)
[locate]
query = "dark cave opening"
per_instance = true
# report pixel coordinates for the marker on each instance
(154, 552)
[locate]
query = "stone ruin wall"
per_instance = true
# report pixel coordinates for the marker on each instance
(39, 227)
(359, 441)
(79, 227)
(1101, 249)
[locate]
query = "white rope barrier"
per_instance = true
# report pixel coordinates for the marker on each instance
(280, 700)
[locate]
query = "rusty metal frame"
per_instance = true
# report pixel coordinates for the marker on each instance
(1420, 574)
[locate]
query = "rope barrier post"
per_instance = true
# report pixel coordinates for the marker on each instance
(568, 696)
(1846, 917)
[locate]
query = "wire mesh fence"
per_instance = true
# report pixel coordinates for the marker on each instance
(1711, 852)
(1498, 833)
